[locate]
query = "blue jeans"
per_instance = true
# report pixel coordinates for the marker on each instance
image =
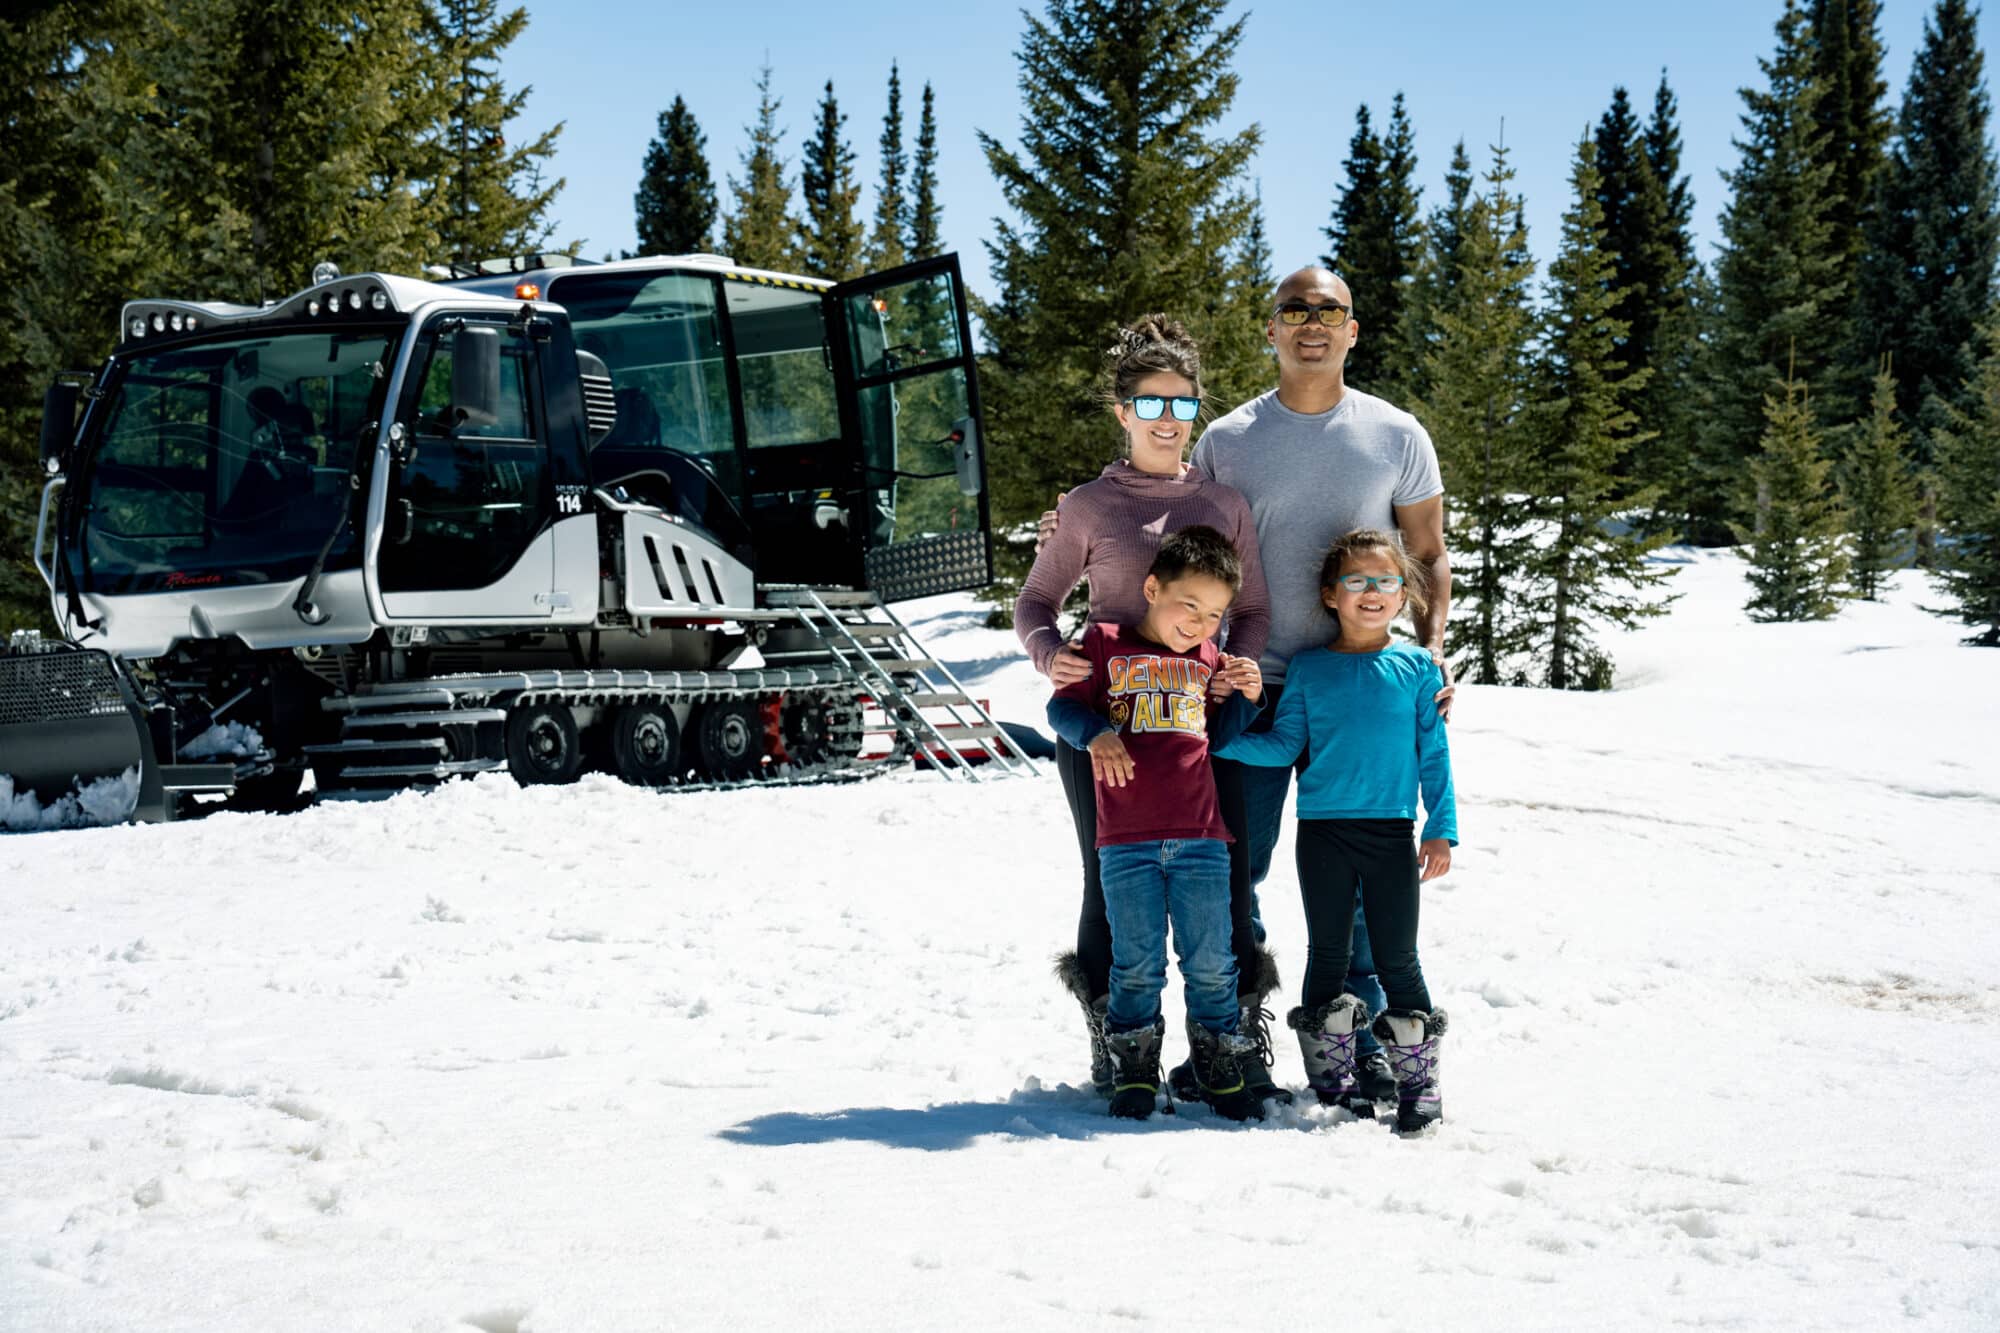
(1146, 886)
(1265, 791)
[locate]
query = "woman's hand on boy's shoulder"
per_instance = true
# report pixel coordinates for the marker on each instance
(1068, 666)
(1237, 675)
(1433, 858)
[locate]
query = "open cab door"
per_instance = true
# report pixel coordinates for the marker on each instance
(909, 399)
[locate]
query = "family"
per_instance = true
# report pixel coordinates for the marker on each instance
(1306, 522)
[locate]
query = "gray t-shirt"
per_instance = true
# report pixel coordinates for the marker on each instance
(1309, 480)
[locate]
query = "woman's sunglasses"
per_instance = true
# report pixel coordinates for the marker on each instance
(1149, 406)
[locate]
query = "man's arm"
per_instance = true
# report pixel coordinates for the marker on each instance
(1422, 526)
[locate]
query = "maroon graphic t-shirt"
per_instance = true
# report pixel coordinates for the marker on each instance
(1157, 701)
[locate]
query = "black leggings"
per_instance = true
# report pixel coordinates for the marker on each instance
(1093, 927)
(1378, 856)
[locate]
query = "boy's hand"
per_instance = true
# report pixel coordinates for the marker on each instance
(1433, 858)
(1110, 761)
(1241, 675)
(1045, 526)
(1068, 666)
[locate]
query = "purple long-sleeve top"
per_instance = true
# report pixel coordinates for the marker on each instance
(1108, 533)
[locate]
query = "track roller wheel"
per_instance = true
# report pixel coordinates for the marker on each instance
(728, 739)
(808, 725)
(542, 744)
(646, 745)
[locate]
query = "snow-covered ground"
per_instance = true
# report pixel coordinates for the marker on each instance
(1719, 952)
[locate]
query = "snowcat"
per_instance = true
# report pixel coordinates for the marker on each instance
(534, 516)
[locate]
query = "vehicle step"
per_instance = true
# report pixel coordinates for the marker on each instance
(359, 703)
(445, 769)
(365, 746)
(444, 717)
(926, 700)
(966, 731)
(782, 595)
(903, 664)
(198, 777)
(872, 629)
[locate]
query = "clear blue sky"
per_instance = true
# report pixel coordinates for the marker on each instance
(1547, 67)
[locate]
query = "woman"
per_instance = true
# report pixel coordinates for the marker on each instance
(1111, 528)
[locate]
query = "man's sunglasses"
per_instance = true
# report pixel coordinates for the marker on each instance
(1295, 313)
(1149, 406)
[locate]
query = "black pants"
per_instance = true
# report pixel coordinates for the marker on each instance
(1093, 927)
(1377, 858)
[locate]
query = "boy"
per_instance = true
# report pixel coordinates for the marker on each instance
(1144, 714)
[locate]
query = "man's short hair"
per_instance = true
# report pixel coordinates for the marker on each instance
(1199, 550)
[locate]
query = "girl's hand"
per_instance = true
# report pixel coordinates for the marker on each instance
(1068, 667)
(1242, 675)
(1433, 858)
(1110, 761)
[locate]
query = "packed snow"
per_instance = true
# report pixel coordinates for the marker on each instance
(1718, 951)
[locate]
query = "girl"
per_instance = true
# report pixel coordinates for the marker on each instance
(1364, 710)
(1111, 529)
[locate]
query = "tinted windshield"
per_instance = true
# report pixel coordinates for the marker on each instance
(227, 463)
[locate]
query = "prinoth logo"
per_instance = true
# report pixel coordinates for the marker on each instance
(180, 580)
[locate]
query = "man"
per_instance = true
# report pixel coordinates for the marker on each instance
(1317, 459)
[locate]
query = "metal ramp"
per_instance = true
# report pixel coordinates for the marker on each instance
(863, 635)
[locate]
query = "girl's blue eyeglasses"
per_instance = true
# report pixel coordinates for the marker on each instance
(1363, 582)
(1149, 406)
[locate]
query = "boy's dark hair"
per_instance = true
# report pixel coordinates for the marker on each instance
(1199, 550)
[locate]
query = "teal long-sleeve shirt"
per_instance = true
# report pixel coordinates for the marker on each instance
(1370, 723)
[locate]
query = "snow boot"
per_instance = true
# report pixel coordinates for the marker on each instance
(1254, 1022)
(1372, 1075)
(1069, 971)
(1218, 1059)
(1410, 1039)
(1327, 1039)
(1135, 1064)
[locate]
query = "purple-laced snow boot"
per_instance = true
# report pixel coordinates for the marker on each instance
(1410, 1039)
(1327, 1038)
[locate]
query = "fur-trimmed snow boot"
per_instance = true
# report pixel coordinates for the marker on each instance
(1327, 1040)
(1069, 971)
(1135, 1066)
(1255, 1023)
(1218, 1059)
(1410, 1038)
(1373, 1078)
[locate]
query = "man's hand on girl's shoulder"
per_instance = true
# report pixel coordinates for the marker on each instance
(1433, 858)
(1444, 696)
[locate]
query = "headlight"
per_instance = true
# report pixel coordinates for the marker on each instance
(312, 306)
(379, 299)
(138, 326)
(159, 322)
(174, 320)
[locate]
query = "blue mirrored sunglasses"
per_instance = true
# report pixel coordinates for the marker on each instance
(1148, 406)
(1363, 582)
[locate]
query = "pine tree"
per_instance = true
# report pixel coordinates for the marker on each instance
(1798, 552)
(1853, 122)
(1778, 279)
(1935, 237)
(1476, 411)
(1586, 570)
(1876, 487)
(1255, 268)
(1377, 244)
(496, 200)
(1633, 204)
(885, 243)
(1437, 272)
(758, 231)
(1682, 303)
(830, 238)
(926, 213)
(1127, 199)
(1968, 471)
(675, 204)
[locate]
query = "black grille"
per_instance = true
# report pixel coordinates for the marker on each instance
(600, 405)
(927, 566)
(57, 687)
